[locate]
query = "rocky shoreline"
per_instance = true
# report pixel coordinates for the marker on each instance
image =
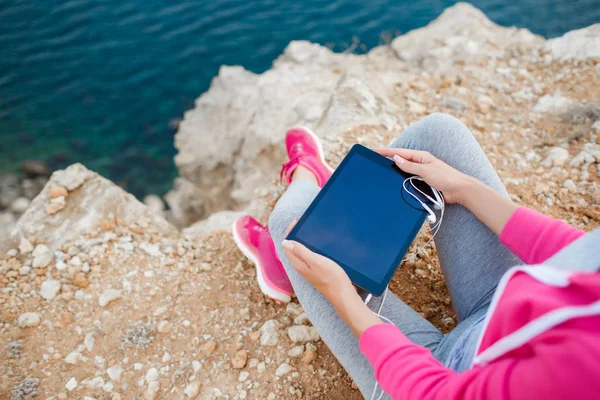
(102, 297)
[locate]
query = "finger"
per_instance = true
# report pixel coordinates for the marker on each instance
(298, 264)
(292, 225)
(418, 156)
(409, 166)
(300, 251)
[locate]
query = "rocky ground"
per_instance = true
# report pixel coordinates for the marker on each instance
(103, 299)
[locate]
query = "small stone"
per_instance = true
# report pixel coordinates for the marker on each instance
(25, 246)
(569, 184)
(166, 357)
(24, 271)
(556, 157)
(73, 357)
(596, 126)
(208, 347)
(192, 389)
(301, 319)
(109, 296)
(29, 320)
(42, 256)
(205, 266)
(294, 309)
(196, 365)
(552, 103)
(72, 384)
(56, 205)
(239, 360)
(260, 367)
(57, 191)
(12, 253)
(310, 354)
(49, 289)
(114, 372)
(81, 281)
(164, 326)
(454, 103)
(152, 375)
(20, 205)
(268, 333)
(303, 334)
(583, 157)
(296, 351)
(283, 369)
(243, 376)
(152, 390)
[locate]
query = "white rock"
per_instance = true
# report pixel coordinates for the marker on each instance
(20, 205)
(301, 319)
(108, 296)
(49, 289)
(556, 157)
(25, 247)
(164, 326)
(294, 309)
(166, 357)
(192, 389)
(303, 334)
(42, 256)
(579, 44)
(88, 341)
(596, 126)
(243, 376)
(30, 319)
(73, 357)
(152, 391)
(72, 384)
(268, 333)
(151, 249)
(196, 366)
(296, 351)
(583, 157)
(12, 253)
(154, 203)
(25, 270)
(553, 103)
(283, 369)
(569, 184)
(593, 149)
(260, 367)
(114, 372)
(152, 375)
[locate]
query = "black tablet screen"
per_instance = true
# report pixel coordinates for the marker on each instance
(364, 220)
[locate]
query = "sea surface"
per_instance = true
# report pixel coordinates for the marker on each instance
(99, 81)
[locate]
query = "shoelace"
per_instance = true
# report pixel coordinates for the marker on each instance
(286, 166)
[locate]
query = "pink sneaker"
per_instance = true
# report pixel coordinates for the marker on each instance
(304, 148)
(254, 240)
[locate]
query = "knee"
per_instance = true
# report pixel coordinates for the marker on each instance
(438, 126)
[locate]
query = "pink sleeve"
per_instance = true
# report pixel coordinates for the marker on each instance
(534, 237)
(408, 371)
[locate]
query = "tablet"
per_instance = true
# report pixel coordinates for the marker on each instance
(362, 219)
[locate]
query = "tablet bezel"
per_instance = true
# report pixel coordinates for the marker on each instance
(357, 278)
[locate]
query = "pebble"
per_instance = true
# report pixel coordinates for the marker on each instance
(29, 320)
(151, 375)
(303, 334)
(25, 246)
(302, 319)
(49, 289)
(556, 157)
(164, 326)
(239, 359)
(208, 347)
(283, 369)
(42, 256)
(310, 354)
(296, 351)
(454, 103)
(243, 376)
(56, 205)
(192, 389)
(294, 309)
(152, 391)
(569, 184)
(23, 271)
(73, 357)
(20, 205)
(57, 191)
(114, 372)
(582, 157)
(268, 333)
(260, 367)
(109, 296)
(12, 253)
(196, 365)
(596, 126)
(151, 249)
(71, 384)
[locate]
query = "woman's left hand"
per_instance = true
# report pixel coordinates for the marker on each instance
(325, 275)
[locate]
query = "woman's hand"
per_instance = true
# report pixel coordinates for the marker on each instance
(434, 172)
(333, 283)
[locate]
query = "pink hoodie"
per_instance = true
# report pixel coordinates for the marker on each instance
(541, 337)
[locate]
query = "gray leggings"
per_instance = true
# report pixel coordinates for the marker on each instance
(471, 256)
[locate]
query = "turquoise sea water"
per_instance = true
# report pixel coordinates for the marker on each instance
(97, 81)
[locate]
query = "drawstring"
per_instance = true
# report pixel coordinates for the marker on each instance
(286, 166)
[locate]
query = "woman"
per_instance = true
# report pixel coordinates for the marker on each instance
(522, 332)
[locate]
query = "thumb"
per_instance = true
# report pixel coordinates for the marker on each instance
(300, 251)
(409, 166)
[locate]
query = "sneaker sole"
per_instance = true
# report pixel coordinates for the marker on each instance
(319, 145)
(262, 284)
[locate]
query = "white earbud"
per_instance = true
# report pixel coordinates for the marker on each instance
(437, 202)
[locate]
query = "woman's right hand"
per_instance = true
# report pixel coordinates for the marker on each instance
(436, 173)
